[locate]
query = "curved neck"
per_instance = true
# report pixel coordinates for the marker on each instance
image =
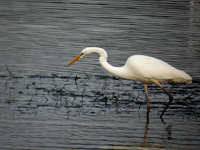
(100, 51)
(119, 71)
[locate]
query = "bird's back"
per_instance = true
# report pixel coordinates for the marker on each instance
(146, 68)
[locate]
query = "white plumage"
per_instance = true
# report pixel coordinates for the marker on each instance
(146, 68)
(142, 68)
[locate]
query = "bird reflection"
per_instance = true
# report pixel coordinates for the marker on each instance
(146, 130)
(168, 129)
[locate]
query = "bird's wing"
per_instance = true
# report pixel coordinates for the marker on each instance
(148, 68)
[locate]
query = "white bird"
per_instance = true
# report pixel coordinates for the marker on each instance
(142, 68)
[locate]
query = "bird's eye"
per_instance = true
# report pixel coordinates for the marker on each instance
(81, 55)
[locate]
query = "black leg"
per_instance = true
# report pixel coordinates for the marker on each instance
(147, 97)
(146, 129)
(170, 97)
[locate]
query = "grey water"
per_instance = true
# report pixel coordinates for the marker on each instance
(46, 106)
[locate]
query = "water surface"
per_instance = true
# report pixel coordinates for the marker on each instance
(44, 105)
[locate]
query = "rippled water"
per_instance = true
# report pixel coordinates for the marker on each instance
(44, 105)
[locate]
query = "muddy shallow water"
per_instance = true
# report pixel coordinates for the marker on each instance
(94, 112)
(46, 106)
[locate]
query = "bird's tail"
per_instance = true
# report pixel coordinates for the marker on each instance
(185, 77)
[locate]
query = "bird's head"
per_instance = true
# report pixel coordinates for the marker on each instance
(80, 55)
(89, 50)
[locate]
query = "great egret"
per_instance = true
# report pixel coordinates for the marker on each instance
(142, 68)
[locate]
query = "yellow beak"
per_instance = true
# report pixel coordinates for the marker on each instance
(75, 59)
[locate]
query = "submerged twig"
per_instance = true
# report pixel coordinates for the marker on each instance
(75, 80)
(9, 72)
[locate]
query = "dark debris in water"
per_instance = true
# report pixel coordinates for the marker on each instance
(95, 92)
